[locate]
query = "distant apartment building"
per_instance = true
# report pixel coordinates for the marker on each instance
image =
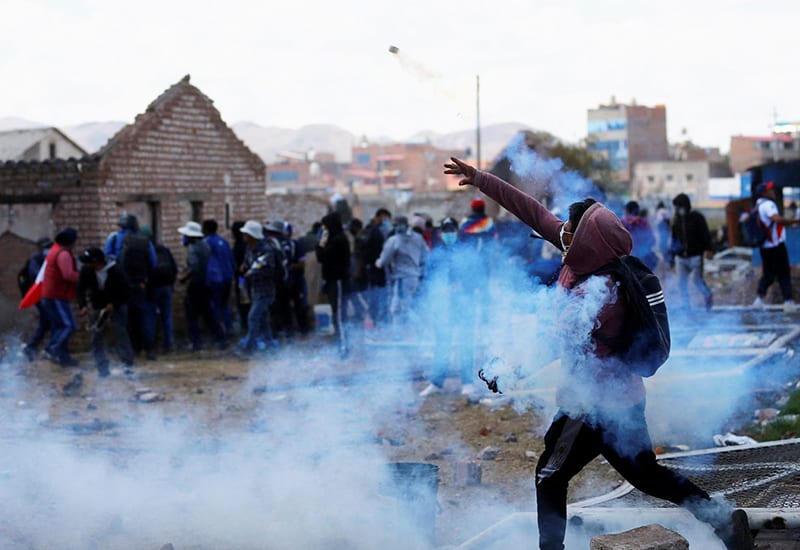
(624, 135)
(413, 167)
(750, 151)
(662, 180)
(38, 145)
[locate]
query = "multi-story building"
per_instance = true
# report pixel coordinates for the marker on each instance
(662, 180)
(303, 172)
(626, 134)
(750, 151)
(413, 167)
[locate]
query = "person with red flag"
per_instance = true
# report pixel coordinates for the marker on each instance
(58, 290)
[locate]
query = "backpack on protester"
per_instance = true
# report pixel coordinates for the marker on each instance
(165, 272)
(220, 262)
(644, 341)
(134, 257)
(281, 270)
(754, 232)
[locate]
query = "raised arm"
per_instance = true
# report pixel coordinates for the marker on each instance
(529, 210)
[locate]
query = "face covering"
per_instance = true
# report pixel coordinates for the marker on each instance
(401, 229)
(449, 237)
(185, 240)
(564, 246)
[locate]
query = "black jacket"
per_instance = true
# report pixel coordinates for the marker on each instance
(335, 255)
(116, 290)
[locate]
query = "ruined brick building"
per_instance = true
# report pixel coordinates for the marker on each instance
(177, 161)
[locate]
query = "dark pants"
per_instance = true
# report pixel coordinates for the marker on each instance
(775, 267)
(219, 297)
(337, 296)
(122, 344)
(377, 298)
(141, 320)
(161, 300)
(621, 436)
(197, 306)
(41, 328)
(63, 324)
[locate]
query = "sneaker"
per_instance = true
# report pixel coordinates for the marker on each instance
(29, 352)
(758, 302)
(736, 535)
(50, 357)
(429, 390)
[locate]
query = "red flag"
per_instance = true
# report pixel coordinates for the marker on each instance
(34, 293)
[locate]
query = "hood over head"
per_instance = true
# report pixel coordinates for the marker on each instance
(599, 239)
(681, 200)
(333, 223)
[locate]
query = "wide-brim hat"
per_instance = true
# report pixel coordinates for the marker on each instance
(253, 228)
(276, 226)
(191, 229)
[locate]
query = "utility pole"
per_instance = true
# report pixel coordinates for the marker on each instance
(478, 121)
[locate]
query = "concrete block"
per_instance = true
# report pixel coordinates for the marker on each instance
(648, 537)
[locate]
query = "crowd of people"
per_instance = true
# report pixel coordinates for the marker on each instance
(253, 291)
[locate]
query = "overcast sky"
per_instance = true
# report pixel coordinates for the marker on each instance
(721, 67)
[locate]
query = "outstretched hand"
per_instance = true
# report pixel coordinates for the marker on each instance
(460, 168)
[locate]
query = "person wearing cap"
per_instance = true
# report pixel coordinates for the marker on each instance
(196, 303)
(259, 268)
(775, 264)
(136, 256)
(690, 240)
(59, 289)
(450, 309)
(403, 255)
(31, 270)
(103, 294)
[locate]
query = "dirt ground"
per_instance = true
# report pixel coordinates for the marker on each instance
(219, 392)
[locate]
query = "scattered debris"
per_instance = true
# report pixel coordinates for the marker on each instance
(765, 415)
(489, 453)
(510, 437)
(486, 430)
(648, 536)
(149, 397)
(91, 407)
(730, 439)
(73, 387)
(467, 472)
(531, 455)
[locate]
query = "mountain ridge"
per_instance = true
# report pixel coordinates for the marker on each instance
(269, 141)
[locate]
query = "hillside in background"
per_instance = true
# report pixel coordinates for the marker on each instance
(269, 141)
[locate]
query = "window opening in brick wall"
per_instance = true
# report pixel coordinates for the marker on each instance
(227, 215)
(52, 151)
(153, 208)
(197, 211)
(689, 177)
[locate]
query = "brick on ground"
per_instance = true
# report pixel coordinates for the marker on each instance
(648, 537)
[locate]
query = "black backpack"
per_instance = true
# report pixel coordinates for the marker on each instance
(134, 257)
(754, 232)
(166, 270)
(644, 342)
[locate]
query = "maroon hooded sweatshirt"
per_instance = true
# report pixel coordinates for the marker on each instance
(600, 380)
